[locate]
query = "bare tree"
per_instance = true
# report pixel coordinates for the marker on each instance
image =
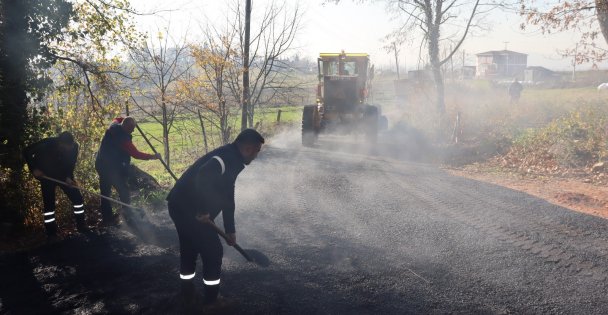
(160, 62)
(431, 17)
(442, 23)
(274, 33)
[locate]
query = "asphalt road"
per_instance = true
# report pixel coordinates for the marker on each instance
(339, 230)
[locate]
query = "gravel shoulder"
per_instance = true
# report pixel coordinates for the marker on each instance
(569, 193)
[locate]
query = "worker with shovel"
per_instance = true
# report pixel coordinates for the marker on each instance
(112, 164)
(55, 157)
(205, 189)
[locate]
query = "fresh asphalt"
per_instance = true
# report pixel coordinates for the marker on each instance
(340, 229)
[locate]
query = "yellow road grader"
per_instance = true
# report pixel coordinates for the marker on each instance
(342, 92)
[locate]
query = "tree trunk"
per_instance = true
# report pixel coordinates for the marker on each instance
(250, 113)
(165, 132)
(601, 7)
(13, 107)
(200, 118)
(396, 60)
(436, 68)
(224, 128)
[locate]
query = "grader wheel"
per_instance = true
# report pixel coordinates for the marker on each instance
(310, 125)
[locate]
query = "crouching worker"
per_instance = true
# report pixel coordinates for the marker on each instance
(205, 189)
(55, 157)
(112, 164)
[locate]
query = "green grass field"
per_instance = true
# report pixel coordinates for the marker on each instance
(186, 138)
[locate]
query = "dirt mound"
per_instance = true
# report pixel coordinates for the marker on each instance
(580, 199)
(139, 179)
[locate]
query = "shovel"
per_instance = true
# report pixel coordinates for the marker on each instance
(141, 211)
(260, 258)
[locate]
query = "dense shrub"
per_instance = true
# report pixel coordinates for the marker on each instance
(575, 141)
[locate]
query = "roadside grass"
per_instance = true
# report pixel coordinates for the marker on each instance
(549, 131)
(186, 138)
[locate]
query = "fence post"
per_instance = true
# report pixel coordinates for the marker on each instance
(279, 116)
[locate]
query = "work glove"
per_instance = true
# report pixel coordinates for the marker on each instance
(203, 218)
(37, 173)
(231, 240)
(71, 182)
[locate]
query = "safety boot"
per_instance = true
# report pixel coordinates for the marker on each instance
(187, 289)
(51, 229)
(112, 220)
(81, 224)
(52, 236)
(188, 301)
(220, 305)
(211, 293)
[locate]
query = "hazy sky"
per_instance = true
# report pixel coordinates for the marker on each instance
(360, 28)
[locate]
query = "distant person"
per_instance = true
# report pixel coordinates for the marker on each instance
(112, 164)
(204, 190)
(515, 91)
(55, 157)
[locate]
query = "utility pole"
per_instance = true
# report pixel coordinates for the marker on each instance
(246, 66)
(507, 70)
(396, 59)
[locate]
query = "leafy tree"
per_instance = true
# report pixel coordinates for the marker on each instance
(35, 36)
(215, 59)
(582, 16)
(27, 29)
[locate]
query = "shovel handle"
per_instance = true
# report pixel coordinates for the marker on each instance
(92, 193)
(156, 152)
(225, 237)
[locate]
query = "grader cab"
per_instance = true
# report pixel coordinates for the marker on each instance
(344, 81)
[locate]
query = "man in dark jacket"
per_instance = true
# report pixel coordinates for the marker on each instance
(205, 189)
(515, 91)
(55, 157)
(113, 161)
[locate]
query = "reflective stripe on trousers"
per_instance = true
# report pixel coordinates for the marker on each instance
(79, 209)
(186, 277)
(211, 282)
(49, 217)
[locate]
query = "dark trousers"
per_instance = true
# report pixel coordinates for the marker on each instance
(48, 197)
(196, 238)
(107, 180)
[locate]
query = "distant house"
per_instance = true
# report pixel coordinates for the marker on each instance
(538, 74)
(501, 63)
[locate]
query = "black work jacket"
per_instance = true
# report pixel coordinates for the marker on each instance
(111, 156)
(208, 186)
(47, 156)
